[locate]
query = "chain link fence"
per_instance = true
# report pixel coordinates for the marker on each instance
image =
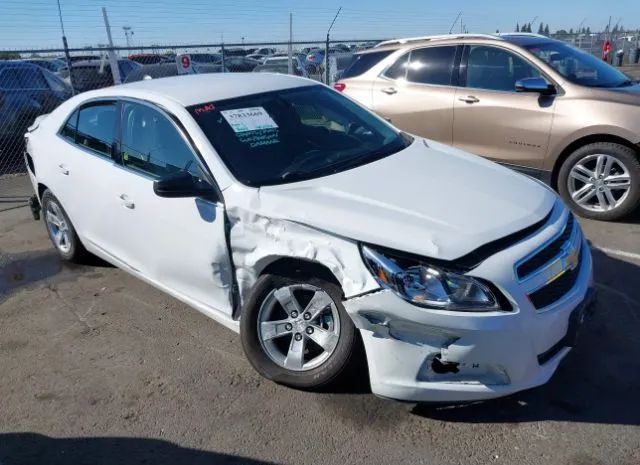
(34, 82)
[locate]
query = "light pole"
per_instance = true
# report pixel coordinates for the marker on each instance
(127, 32)
(66, 47)
(326, 53)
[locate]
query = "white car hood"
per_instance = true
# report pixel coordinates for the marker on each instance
(429, 199)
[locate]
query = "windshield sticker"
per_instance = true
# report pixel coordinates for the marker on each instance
(249, 119)
(205, 108)
(259, 138)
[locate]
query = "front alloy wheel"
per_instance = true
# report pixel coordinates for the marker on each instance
(296, 332)
(601, 180)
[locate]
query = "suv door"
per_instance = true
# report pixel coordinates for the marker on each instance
(178, 243)
(492, 119)
(416, 93)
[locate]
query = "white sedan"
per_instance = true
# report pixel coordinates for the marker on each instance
(290, 214)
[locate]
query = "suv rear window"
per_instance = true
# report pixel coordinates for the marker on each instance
(364, 62)
(431, 65)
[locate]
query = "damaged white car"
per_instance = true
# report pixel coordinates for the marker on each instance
(289, 213)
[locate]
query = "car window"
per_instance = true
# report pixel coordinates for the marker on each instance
(398, 70)
(494, 68)
(288, 135)
(152, 145)
(431, 65)
(360, 64)
(69, 129)
(22, 78)
(96, 124)
(55, 83)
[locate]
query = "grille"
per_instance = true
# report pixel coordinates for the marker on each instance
(556, 289)
(548, 253)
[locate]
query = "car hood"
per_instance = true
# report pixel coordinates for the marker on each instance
(428, 199)
(629, 95)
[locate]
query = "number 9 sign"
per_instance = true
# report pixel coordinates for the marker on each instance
(184, 64)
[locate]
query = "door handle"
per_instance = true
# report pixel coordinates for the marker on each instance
(469, 99)
(127, 202)
(63, 169)
(389, 90)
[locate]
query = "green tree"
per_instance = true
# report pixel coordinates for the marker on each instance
(541, 29)
(546, 31)
(517, 27)
(571, 31)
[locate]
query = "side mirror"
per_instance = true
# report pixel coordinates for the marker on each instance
(535, 84)
(182, 184)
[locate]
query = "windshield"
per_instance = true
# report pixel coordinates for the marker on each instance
(577, 66)
(294, 134)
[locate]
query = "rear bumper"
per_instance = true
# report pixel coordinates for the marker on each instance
(477, 355)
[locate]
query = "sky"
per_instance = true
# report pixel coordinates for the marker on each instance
(34, 24)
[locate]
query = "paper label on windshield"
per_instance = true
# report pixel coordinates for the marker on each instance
(249, 119)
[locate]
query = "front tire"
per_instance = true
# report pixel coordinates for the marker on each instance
(296, 332)
(61, 231)
(601, 181)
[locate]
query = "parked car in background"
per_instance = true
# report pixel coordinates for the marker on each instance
(169, 69)
(240, 64)
(234, 52)
(149, 58)
(527, 101)
(213, 58)
(95, 74)
(325, 236)
(26, 91)
(280, 64)
(266, 51)
(257, 57)
(54, 65)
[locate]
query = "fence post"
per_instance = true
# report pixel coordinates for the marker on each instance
(113, 59)
(326, 61)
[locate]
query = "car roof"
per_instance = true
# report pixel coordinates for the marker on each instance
(17, 63)
(526, 39)
(193, 89)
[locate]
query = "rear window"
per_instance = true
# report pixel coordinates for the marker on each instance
(364, 62)
(22, 78)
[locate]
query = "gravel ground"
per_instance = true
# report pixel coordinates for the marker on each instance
(100, 368)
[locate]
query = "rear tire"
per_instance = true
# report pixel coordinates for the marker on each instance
(61, 231)
(319, 367)
(601, 181)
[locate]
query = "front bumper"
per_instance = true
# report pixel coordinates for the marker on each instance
(424, 355)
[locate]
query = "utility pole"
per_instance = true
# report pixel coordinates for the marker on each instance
(290, 68)
(455, 21)
(66, 48)
(113, 59)
(326, 53)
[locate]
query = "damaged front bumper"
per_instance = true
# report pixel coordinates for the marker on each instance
(422, 355)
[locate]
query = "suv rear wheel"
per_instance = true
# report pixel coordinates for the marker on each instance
(601, 181)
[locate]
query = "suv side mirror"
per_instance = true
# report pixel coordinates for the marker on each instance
(183, 184)
(535, 84)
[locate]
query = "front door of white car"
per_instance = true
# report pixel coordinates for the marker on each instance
(178, 243)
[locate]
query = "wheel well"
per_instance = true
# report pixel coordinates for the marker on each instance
(41, 189)
(295, 267)
(575, 145)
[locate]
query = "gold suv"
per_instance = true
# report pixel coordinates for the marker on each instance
(533, 103)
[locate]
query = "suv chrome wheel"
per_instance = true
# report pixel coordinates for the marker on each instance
(58, 227)
(599, 182)
(298, 326)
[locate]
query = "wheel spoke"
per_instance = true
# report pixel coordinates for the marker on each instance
(53, 219)
(324, 338)
(602, 200)
(318, 302)
(579, 168)
(611, 200)
(600, 163)
(608, 164)
(287, 300)
(583, 194)
(618, 181)
(295, 355)
(580, 177)
(273, 329)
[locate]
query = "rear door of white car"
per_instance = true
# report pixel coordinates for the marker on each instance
(179, 243)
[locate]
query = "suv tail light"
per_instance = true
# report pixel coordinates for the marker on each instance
(339, 86)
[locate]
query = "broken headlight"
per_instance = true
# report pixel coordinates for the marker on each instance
(429, 285)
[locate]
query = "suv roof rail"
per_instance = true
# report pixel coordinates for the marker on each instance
(525, 34)
(434, 37)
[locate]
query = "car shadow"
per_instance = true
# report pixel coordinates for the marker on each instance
(599, 380)
(37, 449)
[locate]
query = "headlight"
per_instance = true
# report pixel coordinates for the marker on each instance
(429, 285)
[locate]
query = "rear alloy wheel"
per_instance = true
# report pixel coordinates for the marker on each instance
(61, 231)
(296, 332)
(601, 181)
